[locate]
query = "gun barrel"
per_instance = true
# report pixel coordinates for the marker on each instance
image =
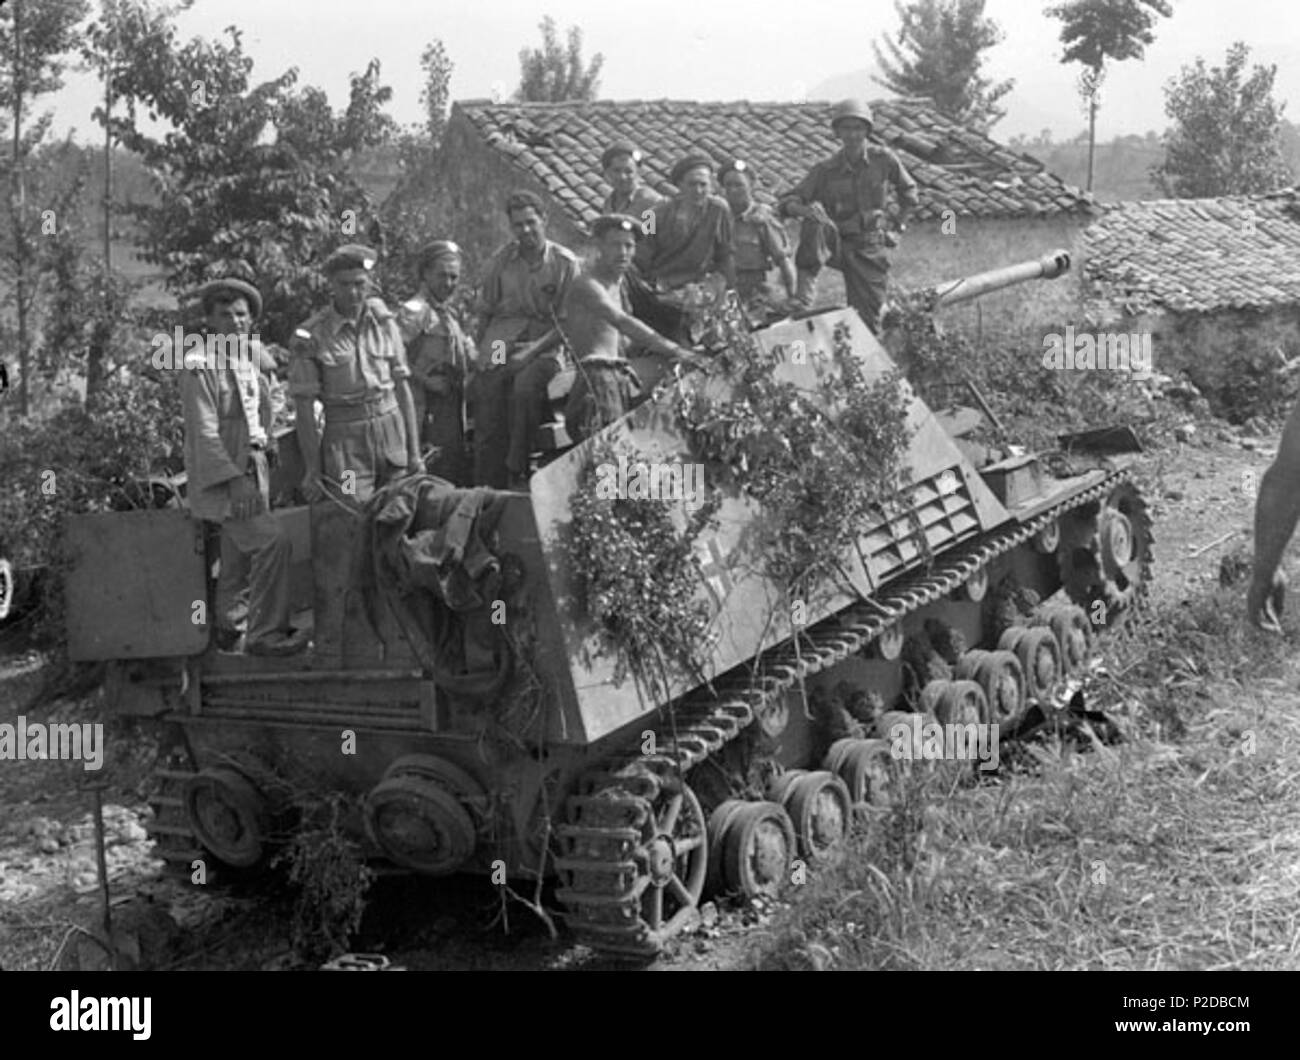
(1048, 267)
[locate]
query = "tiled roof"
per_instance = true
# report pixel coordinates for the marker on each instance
(1196, 254)
(956, 168)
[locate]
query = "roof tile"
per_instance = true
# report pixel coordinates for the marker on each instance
(956, 168)
(1196, 254)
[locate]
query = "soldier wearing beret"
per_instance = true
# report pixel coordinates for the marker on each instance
(521, 296)
(690, 242)
(350, 357)
(629, 196)
(440, 355)
(843, 204)
(228, 418)
(597, 318)
(758, 240)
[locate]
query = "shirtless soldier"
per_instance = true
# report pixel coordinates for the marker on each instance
(597, 317)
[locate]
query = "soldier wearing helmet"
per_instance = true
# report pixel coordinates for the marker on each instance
(842, 202)
(350, 357)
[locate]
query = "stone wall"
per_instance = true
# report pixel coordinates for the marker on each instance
(1233, 356)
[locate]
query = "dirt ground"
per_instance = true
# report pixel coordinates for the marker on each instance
(1201, 495)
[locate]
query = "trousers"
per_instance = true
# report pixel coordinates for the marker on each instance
(254, 561)
(439, 416)
(601, 394)
(360, 456)
(510, 404)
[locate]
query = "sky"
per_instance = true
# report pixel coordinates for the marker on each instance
(754, 49)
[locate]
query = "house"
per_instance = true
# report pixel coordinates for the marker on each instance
(982, 204)
(1216, 283)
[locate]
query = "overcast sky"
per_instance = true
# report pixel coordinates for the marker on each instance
(754, 49)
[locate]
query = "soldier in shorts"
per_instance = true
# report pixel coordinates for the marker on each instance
(350, 357)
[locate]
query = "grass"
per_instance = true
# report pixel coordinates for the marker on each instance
(1178, 848)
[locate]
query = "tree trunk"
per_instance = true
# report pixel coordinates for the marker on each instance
(102, 332)
(1092, 136)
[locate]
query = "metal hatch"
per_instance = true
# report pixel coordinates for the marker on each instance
(132, 581)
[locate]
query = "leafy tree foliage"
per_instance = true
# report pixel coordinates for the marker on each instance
(1096, 32)
(939, 53)
(254, 178)
(1227, 132)
(553, 73)
(36, 40)
(436, 93)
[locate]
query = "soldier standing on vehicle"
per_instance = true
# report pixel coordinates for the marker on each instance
(1277, 510)
(522, 293)
(440, 355)
(842, 201)
(597, 319)
(350, 357)
(227, 432)
(758, 239)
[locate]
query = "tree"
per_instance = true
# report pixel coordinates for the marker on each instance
(552, 74)
(1227, 132)
(253, 179)
(35, 42)
(436, 93)
(415, 212)
(939, 54)
(1095, 32)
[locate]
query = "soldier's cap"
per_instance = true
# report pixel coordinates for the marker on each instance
(439, 248)
(609, 221)
(692, 161)
(234, 287)
(622, 147)
(851, 109)
(350, 256)
(735, 165)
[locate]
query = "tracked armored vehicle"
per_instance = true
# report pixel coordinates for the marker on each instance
(458, 692)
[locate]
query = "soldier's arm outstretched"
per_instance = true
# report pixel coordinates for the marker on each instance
(1277, 511)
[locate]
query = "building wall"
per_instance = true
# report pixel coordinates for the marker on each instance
(1232, 356)
(475, 182)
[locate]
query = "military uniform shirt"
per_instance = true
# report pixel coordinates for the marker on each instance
(682, 249)
(434, 339)
(759, 239)
(850, 190)
(639, 206)
(343, 363)
(518, 299)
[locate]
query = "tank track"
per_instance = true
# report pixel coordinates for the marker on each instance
(174, 840)
(598, 843)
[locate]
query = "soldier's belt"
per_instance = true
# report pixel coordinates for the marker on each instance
(353, 412)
